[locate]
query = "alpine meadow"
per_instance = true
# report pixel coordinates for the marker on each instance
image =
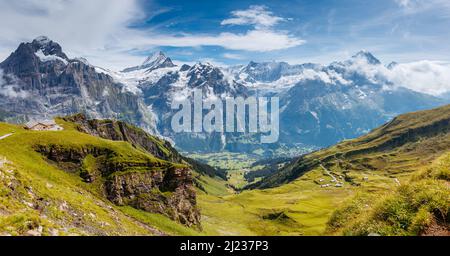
(224, 118)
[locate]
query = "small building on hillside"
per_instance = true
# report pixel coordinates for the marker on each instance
(43, 125)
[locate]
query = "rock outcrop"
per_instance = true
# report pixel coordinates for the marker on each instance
(139, 181)
(169, 192)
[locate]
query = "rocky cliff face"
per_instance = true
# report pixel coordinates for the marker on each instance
(170, 193)
(204, 77)
(138, 181)
(40, 80)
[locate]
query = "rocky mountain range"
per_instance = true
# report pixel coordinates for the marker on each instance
(319, 104)
(39, 80)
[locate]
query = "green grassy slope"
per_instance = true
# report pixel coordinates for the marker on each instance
(120, 131)
(393, 181)
(298, 208)
(301, 198)
(403, 145)
(420, 206)
(39, 198)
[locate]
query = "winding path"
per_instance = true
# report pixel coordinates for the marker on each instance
(5, 136)
(328, 172)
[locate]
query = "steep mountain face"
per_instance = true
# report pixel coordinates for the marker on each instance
(368, 57)
(40, 80)
(319, 113)
(403, 145)
(259, 74)
(204, 77)
(266, 72)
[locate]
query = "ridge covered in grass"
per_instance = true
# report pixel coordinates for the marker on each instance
(393, 181)
(403, 145)
(421, 206)
(39, 198)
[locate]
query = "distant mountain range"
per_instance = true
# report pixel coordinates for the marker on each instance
(320, 104)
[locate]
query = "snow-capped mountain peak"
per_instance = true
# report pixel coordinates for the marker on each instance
(42, 40)
(392, 65)
(200, 66)
(152, 62)
(319, 104)
(46, 47)
(202, 72)
(156, 57)
(367, 56)
(43, 81)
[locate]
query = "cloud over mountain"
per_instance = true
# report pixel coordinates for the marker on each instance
(431, 77)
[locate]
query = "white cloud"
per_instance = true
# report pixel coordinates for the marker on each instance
(232, 56)
(10, 90)
(424, 76)
(403, 3)
(431, 77)
(256, 15)
(261, 38)
(253, 40)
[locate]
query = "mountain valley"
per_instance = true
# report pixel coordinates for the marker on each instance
(103, 177)
(358, 153)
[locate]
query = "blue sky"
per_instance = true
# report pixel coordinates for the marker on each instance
(116, 33)
(325, 30)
